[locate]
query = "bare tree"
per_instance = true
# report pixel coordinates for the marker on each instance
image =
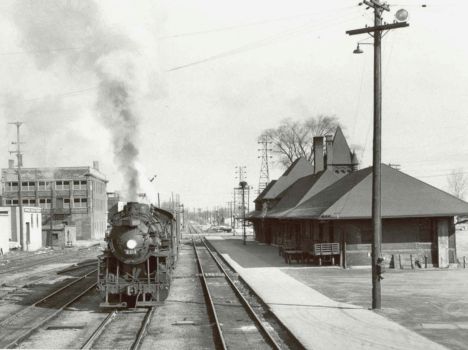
(294, 139)
(457, 183)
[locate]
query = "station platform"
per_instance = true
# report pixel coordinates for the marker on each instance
(317, 322)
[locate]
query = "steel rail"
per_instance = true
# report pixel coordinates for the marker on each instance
(210, 299)
(98, 331)
(27, 308)
(76, 267)
(244, 301)
(141, 333)
(28, 266)
(16, 342)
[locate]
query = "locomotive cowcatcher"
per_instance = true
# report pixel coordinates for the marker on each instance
(135, 269)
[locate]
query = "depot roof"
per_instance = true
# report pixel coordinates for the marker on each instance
(402, 196)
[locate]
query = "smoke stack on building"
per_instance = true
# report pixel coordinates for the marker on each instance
(96, 165)
(318, 154)
(11, 163)
(329, 147)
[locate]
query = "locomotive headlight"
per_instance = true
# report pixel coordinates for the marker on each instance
(131, 244)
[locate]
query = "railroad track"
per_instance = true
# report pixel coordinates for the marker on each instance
(35, 261)
(18, 326)
(122, 329)
(236, 325)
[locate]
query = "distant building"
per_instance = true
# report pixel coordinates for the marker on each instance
(10, 228)
(72, 195)
(114, 204)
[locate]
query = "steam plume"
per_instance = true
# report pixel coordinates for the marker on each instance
(71, 35)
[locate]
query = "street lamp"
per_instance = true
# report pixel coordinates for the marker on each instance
(358, 49)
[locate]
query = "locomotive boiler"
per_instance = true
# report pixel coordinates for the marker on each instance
(135, 268)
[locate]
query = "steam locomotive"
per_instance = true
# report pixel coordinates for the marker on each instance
(135, 268)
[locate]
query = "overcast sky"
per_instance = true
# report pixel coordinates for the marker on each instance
(207, 77)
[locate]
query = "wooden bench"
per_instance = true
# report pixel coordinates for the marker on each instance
(327, 251)
(293, 254)
(287, 245)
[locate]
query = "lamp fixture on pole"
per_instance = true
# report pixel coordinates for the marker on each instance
(358, 49)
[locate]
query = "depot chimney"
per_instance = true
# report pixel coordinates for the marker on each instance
(11, 163)
(318, 154)
(96, 165)
(329, 141)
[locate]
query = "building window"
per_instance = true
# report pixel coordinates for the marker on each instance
(29, 201)
(45, 203)
(66, 202)
(28, 186)
(62, 185)
(11, 202)
(80, 202)
(79, 184)
(43, 185)
(12, 186)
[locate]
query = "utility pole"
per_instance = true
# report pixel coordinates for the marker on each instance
(241, 174)
(19, 164)
(264, 168)
(377, 260)
(242, 185)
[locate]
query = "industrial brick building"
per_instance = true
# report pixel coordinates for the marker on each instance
(71, 195)
(330, 202)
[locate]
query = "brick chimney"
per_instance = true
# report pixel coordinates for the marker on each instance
(11, 163)
(96, 165)
(318, 154)
(329, 142)
(354, 161)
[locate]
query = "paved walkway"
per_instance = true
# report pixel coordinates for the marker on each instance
(319, 322)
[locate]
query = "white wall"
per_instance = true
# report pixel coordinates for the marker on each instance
(5, 228)
(32, 218)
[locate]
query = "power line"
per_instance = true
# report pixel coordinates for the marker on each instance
(260, 43)
(251, 24)
(11, 53)
(68, 93)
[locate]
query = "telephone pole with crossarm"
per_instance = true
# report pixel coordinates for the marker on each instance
(376, 32)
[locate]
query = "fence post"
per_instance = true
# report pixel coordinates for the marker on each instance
(411, 260)
(425, 261)
(399, 261)
(464, 262)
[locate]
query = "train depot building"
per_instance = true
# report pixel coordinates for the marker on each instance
(323, 213)
(70, 196)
